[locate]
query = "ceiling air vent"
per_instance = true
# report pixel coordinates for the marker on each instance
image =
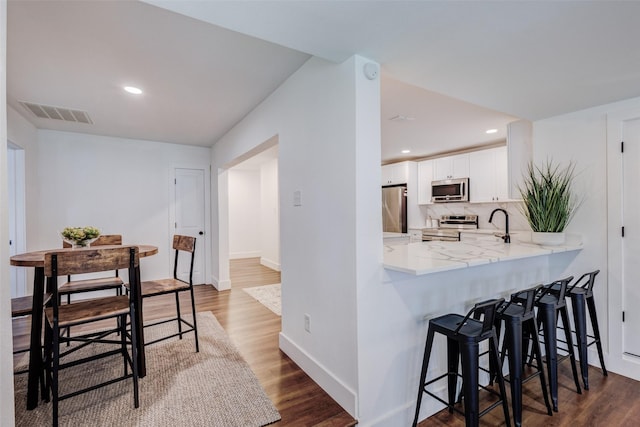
(57, 113)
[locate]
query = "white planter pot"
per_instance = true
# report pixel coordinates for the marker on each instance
(547, 239)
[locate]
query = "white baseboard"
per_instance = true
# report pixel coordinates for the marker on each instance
(401, 416)
(338, 391)
(247, 254)
(270, 264)
(220, 285)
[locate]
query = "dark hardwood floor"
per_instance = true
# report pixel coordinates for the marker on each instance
(610, 401)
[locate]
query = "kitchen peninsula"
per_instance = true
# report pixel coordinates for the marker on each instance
(424, 280)
(437, 256)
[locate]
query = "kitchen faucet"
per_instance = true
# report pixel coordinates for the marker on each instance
(506, 237)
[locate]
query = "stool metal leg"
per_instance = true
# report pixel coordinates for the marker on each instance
(453, 359)
(596, 332)
(580, 322)
(495, 355)
(564, 314)
(423, 374)
(548, 319)
(512, 337)
(531, 328)
(470, 384)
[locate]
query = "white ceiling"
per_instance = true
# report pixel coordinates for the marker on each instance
(529, 59)
(198, 79)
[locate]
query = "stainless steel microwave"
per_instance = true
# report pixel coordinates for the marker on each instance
(450, 190)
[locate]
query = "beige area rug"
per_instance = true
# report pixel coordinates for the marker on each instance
(214, 387)
(267, 295)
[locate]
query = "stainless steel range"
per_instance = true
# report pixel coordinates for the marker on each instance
(450, 227)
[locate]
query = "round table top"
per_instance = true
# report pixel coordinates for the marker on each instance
(36, 258)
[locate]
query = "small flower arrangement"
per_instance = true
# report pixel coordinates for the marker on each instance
(80, 236)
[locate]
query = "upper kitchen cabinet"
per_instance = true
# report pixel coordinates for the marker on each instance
(451, 167)
(395, 173)
(425, 176)
(489, 175)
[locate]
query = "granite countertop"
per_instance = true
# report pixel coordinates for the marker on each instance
(433, 257)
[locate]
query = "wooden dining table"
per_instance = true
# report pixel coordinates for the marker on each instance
(35, 259)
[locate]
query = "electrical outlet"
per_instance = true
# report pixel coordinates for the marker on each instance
(307, 323)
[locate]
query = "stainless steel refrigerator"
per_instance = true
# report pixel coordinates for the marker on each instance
(394, 209)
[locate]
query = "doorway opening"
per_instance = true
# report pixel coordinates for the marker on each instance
(249, 202)
(253, 209)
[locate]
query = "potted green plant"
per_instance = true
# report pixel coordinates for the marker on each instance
(548, 201)
(79, 236)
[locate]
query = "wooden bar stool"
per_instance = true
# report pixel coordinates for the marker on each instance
(464, 335)
(58, 317)
(23, 306)
(550, 302)
(174, 285)
(108, 282)
(520, 326)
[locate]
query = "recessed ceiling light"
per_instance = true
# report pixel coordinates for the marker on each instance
(492, 131)
(132, 89)
(405, 151)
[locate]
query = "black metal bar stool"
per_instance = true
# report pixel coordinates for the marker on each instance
(550, 302)
(581, 294)
(464, 335)
(520, 321)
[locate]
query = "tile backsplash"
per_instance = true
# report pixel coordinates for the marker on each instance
(517, 221)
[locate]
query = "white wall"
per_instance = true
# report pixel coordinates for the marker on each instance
(244, 213)
(6, 360)
(269, 215)
(582, 137)
(121, 186)
(314, 116)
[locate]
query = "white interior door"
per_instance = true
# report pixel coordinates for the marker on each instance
(631, 240)
(190, 218)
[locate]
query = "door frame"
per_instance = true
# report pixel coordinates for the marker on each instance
(17, 215)
(206, 168)
(617, 360)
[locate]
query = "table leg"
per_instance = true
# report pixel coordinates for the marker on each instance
(35, 349)
(137, 296)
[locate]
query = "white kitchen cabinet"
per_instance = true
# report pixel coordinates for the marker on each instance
(395, 173)
(489, 175)
(425, 176)
(448, 167)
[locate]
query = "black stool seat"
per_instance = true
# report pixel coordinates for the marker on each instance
(550, 302)
(581, 294)
(464, 334)
(520, 327)
(468, 330)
